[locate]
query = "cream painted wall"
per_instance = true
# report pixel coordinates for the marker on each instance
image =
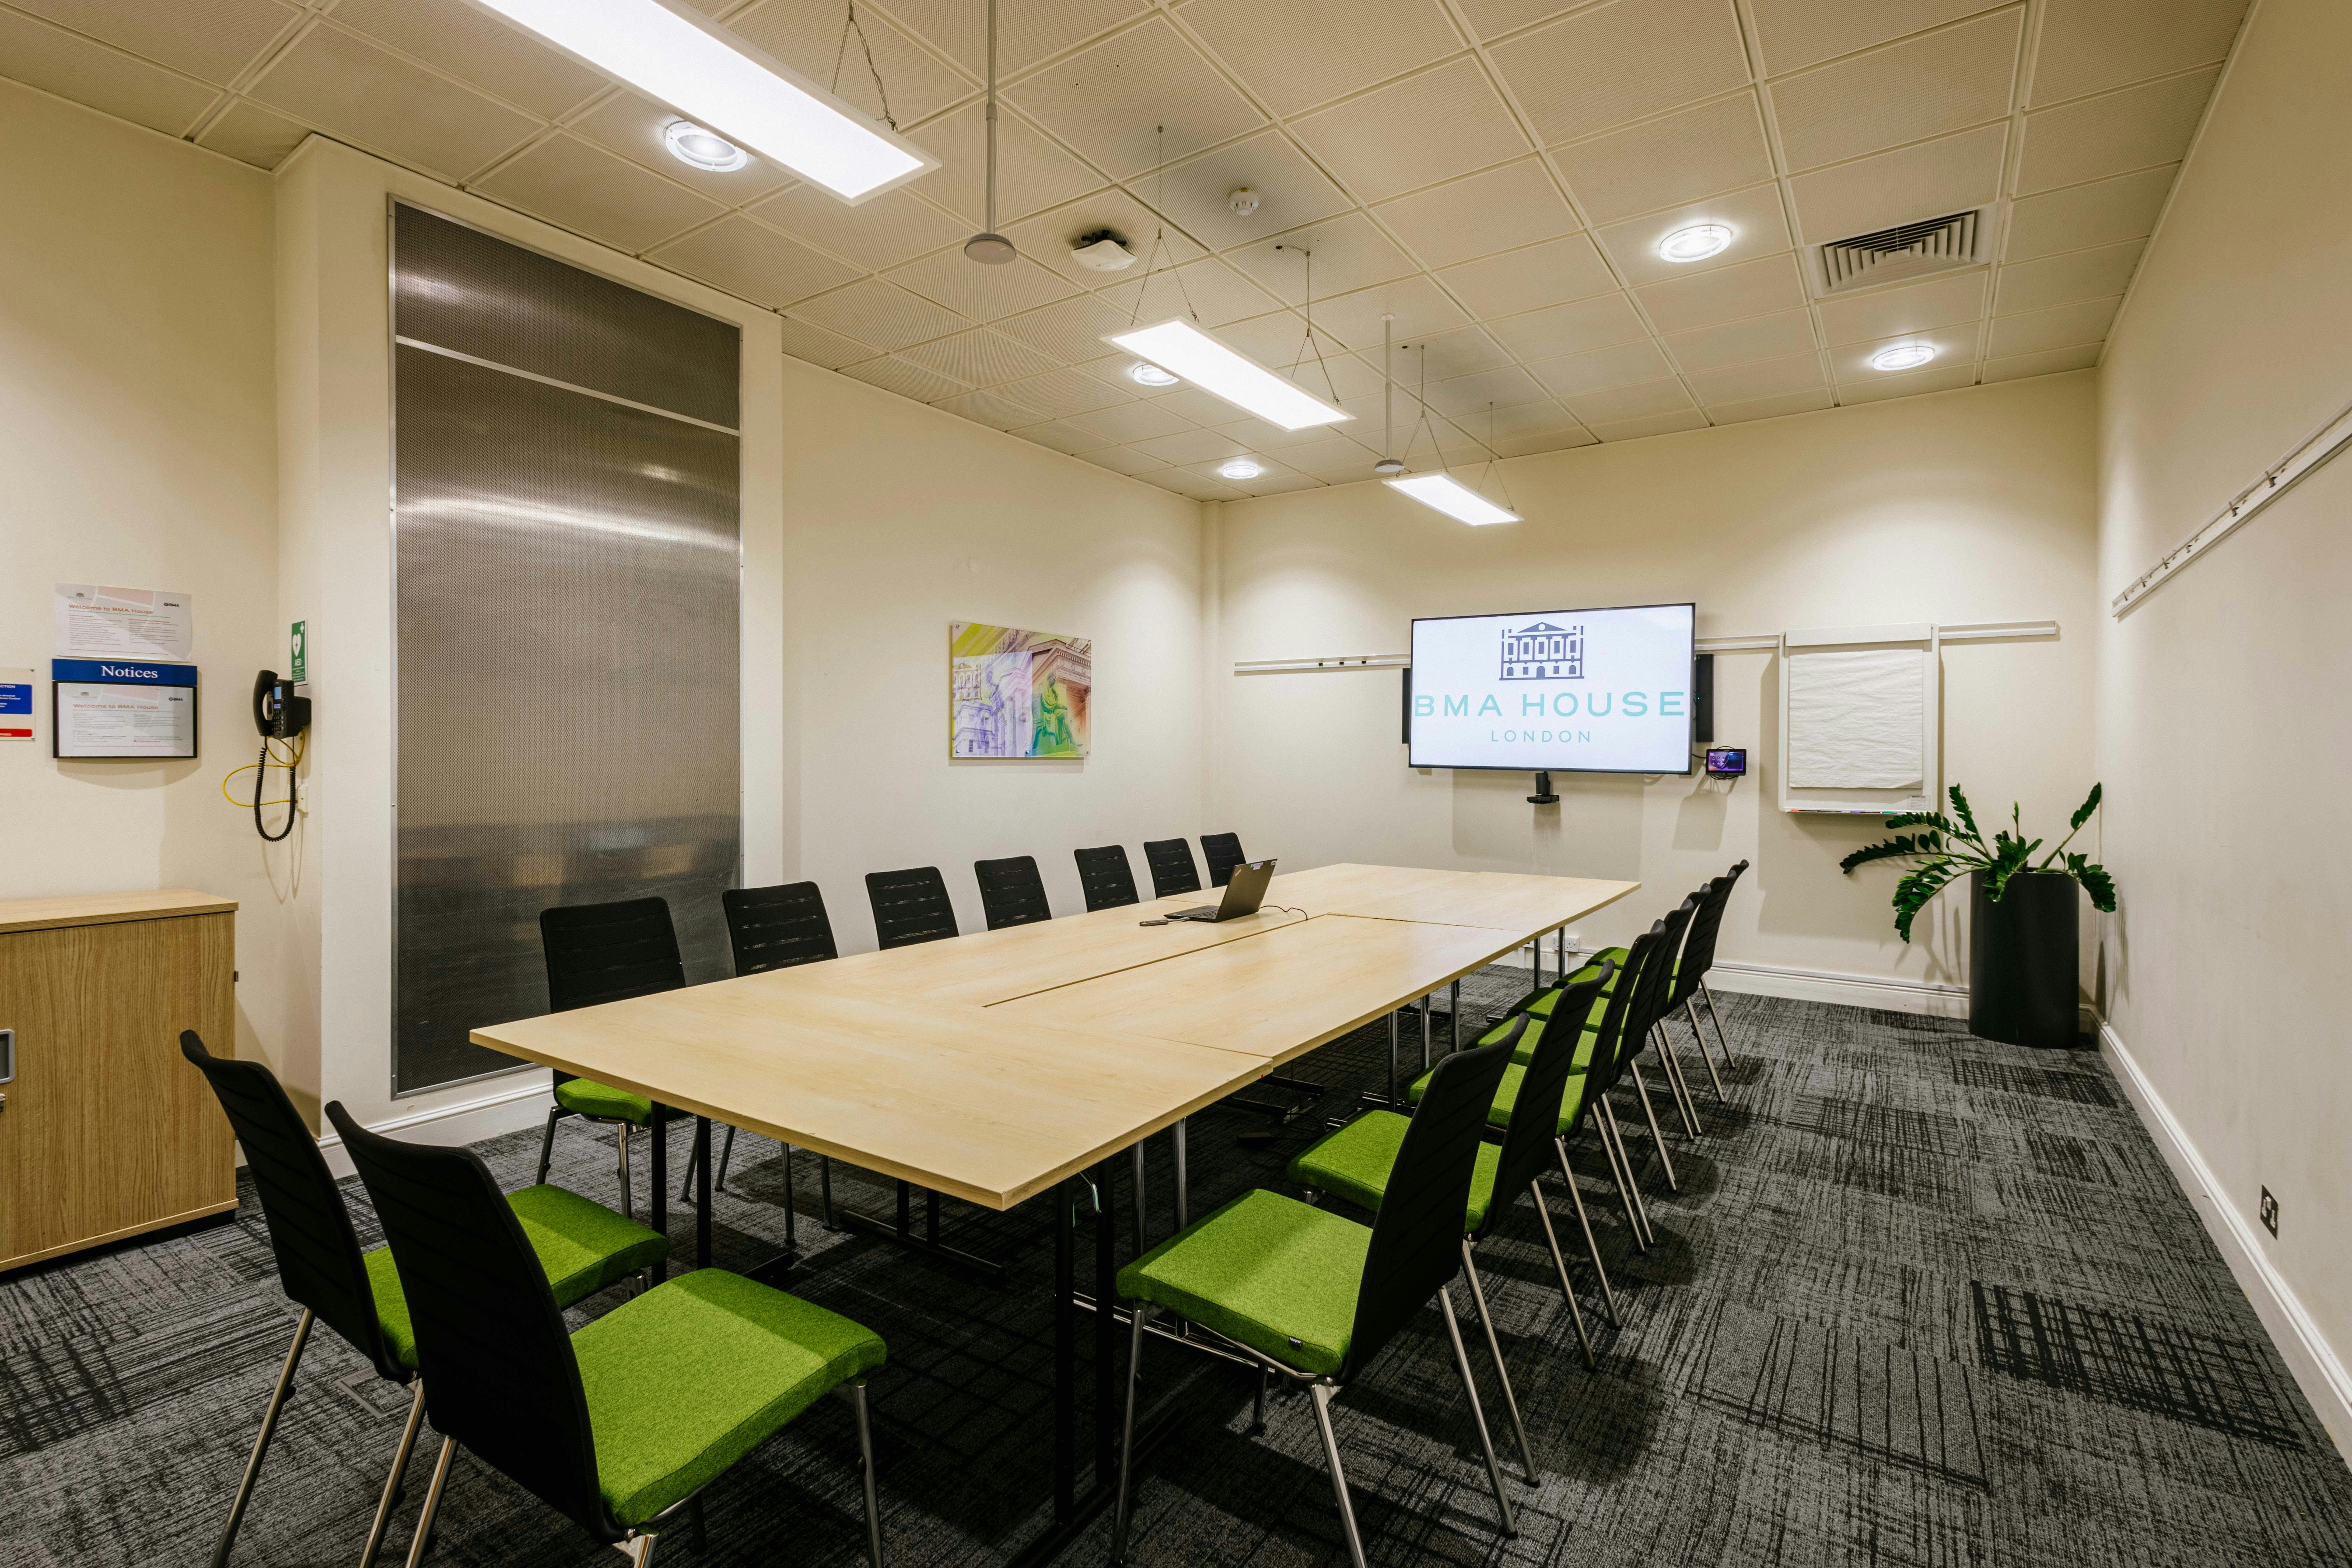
(2221, 697)
(1968, 506)
(136, 437)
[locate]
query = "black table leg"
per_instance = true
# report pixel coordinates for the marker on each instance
(660, 1141)
(1106, 1384)
(702, 1191)
(1066, 1355)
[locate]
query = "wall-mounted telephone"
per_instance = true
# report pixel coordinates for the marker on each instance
(279, 715)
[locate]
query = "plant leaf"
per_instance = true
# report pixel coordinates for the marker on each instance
(1967, 818)
(2096, 882)
(2082, 812)
(1903, 844)
(1911, 894)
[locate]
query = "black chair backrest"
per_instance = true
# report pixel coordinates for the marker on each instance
(1698, 947)
(910, 906)
(1222, 851)
(1417, 1235)
(777, 928)
(608, 953)
(1619, 1037)
(1011, 891)
(1656, 994)
(1104, 876)
(309, 1229)
(499, 1375)
(1172, 870)
(1534, 1114)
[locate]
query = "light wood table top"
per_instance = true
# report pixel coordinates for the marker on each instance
(1498, 900)
(108, 909)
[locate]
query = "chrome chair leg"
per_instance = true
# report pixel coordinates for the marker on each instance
(431, 1502)
(1567, 1290)
(628, 1186)
(1135, 1162)
(1257, 1403)
(1698, 1037)
(547, 1144)
(261, 1443)
(1641, 1210)
(1470, 1390)
(1322, 1393)
(1183, 1194)
(1591, 1248)
(1716, 1018)
(1122, 1517)
(1657, 1139)
(1617, 1179)
(1686, 1103)
(639, 1549)
(392, 1481)
(865, 1454)
(1495, 1349)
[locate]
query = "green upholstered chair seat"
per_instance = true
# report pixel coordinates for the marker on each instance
(582, 1246)
(1267, 1271)
(687, 1378)
(1506, 1097)
(586, 1097)
(1353, 1163)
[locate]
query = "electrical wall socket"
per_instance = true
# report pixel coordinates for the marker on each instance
(2270, 1211)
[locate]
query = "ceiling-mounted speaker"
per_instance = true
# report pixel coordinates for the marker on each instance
(992, 248)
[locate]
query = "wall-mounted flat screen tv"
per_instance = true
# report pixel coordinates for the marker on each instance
(1605, 691)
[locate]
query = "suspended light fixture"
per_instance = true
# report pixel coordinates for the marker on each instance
(1455, 499)
(1388, 466)
(988, 246)
(1183, 349)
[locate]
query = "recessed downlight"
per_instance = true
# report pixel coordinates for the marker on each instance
(1696, 243)
(1902, 356)
(691, 143)
(1149, 374)
(1241, 468)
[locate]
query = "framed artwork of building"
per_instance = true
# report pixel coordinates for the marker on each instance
(1016, 694)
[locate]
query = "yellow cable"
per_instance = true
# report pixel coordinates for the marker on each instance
(289, 762)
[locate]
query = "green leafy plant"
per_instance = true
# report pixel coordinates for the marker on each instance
(1954, 846)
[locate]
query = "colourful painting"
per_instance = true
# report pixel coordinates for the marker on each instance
(1018, 694)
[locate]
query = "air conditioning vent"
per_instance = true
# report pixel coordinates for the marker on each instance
(1908, 250)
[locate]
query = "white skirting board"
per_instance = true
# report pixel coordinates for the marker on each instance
(2308, 1355)
(501, 1108)
(1805, 984)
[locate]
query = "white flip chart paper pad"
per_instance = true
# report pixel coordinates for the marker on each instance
(1856, 718)
(97, 622)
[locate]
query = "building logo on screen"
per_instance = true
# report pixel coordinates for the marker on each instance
(1542, 651)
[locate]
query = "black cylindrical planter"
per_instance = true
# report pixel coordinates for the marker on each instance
(2023, 954)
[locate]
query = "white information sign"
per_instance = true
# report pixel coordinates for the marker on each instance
(97, 718)
(98, 622)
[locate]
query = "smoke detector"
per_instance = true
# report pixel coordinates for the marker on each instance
(1101, 251)
(1242, 200)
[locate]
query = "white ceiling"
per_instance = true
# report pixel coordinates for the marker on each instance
(1494, 175)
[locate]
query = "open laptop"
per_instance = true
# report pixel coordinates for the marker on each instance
(1243, 895)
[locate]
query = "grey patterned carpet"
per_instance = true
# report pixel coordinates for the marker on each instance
(1922, 1300)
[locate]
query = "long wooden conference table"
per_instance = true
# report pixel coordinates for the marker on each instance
(997, 1066)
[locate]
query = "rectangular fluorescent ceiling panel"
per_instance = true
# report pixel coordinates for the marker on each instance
(724, 85)
(1180, 348)
(1451, 497)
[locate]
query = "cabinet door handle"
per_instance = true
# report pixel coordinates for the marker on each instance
(7, 1055)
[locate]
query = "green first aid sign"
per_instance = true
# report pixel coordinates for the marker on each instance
(298, 648)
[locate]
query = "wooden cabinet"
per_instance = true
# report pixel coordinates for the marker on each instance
(106, 1131)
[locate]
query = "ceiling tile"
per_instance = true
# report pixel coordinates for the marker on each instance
(988, 409)
(1908, 91)
(981, 291)
(1184, 482)
(1759, 337)
(1601, 368)
(807, 340)
(1944, 378)
(985, 359)
(1332, 458)
(1698, 152)
(254, 135)
(1071, 330)
(2089, 45)
(2103, 211)
(1492, 19)
(1061, 393)
(1530, 445)
(1210, 291)
(1123, 460)
(1047, 237)
(1199, 407)
(882, 232)
(591, 192)
(1758, 228)
(1112, 369)
(1501, 209)
(751, 260)
(345, 85)
(1278, 341)
(1349, 253)
(1032, 173)
(1798, 33)
(2050, 361)
(906, 379)
(1642, 400)
(1272, 485)
(1469, 397)
(1540, 418)
(1770, 408)
(881, 313)
(1306, 52)
(1594, 323)
(1191, 447)
(2068, 326)
(1419, 307)
(633, 127)
(1114, 100)
(1759, 378)
(809, 39)
(1955, 346)
(2095, 137)
(1750, 288)
(1291, 191)
(1948, 175)
(214, 39)
(58, 61)
(1062, 436)
(1565, 269)
(1465, 350)
(1027, 30)
(1381, 143)
(1260, 436)
(1656, 424)
(1609, 64)
(1915, 307)
(477, 47)
(2063, 279)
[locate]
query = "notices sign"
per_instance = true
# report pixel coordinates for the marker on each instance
(98, 622)
(16, 704)
(110, 708)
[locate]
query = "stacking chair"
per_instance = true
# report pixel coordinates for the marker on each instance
(1311, 1296)
(1011, 891)
(1104, 877)
(910, 906)
(620, 1425)
(770, 928)
(579, 1248)
(1172, 871)
(598, 953)
(1222, 851)
(1698, 957)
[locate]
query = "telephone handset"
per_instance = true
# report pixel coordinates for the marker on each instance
(279, 715)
